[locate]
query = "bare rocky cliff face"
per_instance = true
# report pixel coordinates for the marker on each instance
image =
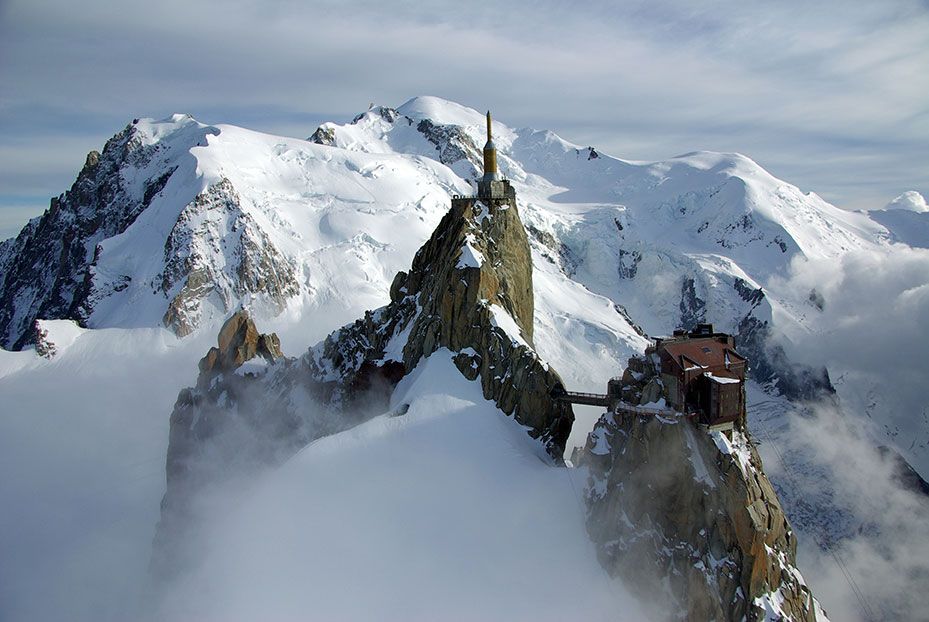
(247, 262)
(688, 517)
(45, 270)
(60, 265)
(469, 290)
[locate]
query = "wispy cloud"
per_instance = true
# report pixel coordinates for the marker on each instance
(801, 88)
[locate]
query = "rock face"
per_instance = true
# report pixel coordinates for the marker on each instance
(46, 271)
(239, 342)
(68, 262)
(770, 364)
(223, 427)
(689, 518)
(195, 273)
(480, 303)
(222, 396)
(469, 290)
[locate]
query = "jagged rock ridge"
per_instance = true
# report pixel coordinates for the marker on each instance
(689, 516)
(70, 262)
(469, 290)
(45, 271)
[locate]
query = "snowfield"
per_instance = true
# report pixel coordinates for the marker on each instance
(445, 512)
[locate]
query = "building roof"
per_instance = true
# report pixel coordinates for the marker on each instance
(699, 353)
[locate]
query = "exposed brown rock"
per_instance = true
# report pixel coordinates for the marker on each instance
(444, 303)
(695, 528)
(239, 341)
(457, 301)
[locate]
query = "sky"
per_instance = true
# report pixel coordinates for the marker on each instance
(830, 96)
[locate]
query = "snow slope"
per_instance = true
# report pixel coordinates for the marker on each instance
(620, 248)
(448, 511)
(906, 218)
(83, 438)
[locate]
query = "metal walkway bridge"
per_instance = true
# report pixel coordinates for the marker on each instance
(614, 404)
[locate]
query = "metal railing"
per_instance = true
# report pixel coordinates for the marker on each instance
(616, 405)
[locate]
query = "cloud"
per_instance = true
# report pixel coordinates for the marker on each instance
(787, 84)
(839, 488)
(875, 305)
(444, 512)
(871, 335)
(82, 449)
(866, 552)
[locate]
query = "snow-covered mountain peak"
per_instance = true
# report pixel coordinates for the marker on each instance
(671, 241)
(441, 111)
(177, 223)
(910, 201)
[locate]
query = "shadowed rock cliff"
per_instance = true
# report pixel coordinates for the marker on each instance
(469, 290)
(690, 519)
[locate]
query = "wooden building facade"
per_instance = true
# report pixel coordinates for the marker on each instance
(702, 373)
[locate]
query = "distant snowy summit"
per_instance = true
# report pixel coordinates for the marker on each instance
(906, 219)
(177, 223)
(910, 201)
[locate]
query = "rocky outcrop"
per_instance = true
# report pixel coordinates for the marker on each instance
(217, 254)
(44, 346)
(451, 142)
(224, 404)
(229, 424)
(469, 290)
(46, 271)
(688, 518)
(771, 366)
(693, 308)
(473, 284)
(239, 342)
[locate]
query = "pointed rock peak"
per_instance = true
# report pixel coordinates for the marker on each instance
(471, 284)
(92, 160)
(239, 341)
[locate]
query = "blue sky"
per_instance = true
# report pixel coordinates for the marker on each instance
(830, 96)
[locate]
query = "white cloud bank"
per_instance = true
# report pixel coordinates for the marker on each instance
(871, 334)
(830, 96)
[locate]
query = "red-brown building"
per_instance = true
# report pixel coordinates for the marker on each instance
(702, 373)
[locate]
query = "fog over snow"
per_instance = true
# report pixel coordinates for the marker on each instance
(448, 511)
(830, 95)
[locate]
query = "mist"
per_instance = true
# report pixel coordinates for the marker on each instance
(445, 510)
(82, 452)
(868, 326)
(863, 533)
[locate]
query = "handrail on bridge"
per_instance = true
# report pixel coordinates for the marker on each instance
(614, 404)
